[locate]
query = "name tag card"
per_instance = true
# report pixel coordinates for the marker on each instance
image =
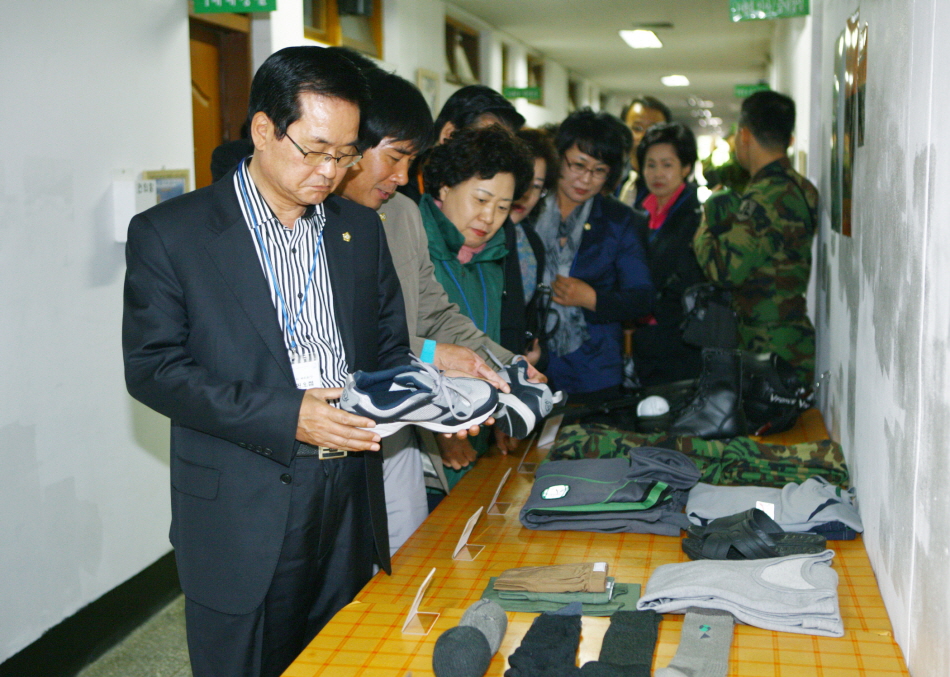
(549, 432)
(420, 622)
(528, 468)
(496, 508)
(465, 551)
(307, 373)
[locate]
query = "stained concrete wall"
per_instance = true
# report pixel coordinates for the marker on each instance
(882, 317)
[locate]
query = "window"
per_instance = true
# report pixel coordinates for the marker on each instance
(461, 53)
(350, 23)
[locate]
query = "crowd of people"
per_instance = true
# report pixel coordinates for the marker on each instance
(497, 243)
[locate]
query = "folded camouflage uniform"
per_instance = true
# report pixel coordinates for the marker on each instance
(739, 461)
(644, 493)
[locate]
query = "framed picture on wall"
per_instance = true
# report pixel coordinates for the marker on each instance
(428, 83)
(169, 183)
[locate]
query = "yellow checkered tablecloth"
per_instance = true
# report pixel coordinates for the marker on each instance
(365, 639)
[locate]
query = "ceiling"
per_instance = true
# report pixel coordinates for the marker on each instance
(582, 35)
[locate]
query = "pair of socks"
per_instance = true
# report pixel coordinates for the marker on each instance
(549, 648)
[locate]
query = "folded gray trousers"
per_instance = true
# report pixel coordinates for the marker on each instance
(798, 593)
(643, 494)
(798, 507)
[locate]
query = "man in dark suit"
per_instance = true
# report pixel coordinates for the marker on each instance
(246, 305)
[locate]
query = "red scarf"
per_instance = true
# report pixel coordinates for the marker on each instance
(658, 214)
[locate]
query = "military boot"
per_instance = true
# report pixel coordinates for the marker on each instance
(772, 395)
(716, 410)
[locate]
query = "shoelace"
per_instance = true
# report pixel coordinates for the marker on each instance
(494, 358)
(443, 385)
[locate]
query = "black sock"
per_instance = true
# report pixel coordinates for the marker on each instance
(628, 646)
(549, 648)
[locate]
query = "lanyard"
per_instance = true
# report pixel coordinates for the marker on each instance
(468, 306)
(291, 328)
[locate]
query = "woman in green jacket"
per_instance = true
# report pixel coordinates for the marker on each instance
(471, 182)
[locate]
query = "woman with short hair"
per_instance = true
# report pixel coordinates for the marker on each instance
(471, 181)
(594, 260)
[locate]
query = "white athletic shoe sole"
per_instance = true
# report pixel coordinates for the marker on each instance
(387, 429)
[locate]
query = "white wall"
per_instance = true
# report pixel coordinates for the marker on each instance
(791, 71)
(88, 88)
(883, 319)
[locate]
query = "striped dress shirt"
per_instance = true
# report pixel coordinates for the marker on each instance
(302, 299)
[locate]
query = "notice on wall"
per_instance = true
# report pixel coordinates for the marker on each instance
(752, 10)
(209, 6)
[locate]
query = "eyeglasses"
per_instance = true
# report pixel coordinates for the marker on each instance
(542, 191)
(579, 169)
(315, 158)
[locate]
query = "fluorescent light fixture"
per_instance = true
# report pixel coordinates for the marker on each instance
(675, 80)
(641, 39)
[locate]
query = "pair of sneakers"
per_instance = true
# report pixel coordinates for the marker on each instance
(419, 394)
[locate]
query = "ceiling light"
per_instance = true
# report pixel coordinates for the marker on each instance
(675, 81)
(641, 39)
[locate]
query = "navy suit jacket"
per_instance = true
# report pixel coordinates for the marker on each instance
(612, 260)
(202, 345)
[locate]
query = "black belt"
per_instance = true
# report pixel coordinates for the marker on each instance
(324, 453)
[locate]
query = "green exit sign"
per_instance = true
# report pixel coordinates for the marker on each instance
(743, 91)
(209, 6)
(522, 92)
(750, 10)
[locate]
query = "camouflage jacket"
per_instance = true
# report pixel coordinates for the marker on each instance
(760, 246)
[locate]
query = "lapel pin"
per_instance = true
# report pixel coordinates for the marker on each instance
(346, 236)
(382, 216)
(586, 226)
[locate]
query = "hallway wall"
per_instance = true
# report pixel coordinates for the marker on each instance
(414, 38)
(88, 88)
(883, 319)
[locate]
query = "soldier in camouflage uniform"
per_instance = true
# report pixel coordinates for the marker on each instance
(761, 249)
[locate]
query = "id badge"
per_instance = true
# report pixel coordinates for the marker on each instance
(307, 372)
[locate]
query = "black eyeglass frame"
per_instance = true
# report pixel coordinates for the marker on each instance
(321, 158)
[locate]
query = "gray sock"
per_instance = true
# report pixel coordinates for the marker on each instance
(490, 618)
(704, 645)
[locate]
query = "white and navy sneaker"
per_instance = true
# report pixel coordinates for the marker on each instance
(520, 410)
(418, 394)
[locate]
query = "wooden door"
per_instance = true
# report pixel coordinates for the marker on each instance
(220, 84)
(205, 101)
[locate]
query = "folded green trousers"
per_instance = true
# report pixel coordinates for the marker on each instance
(625, 597)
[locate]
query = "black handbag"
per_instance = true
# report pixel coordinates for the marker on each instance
(540, 320)
(710, 321)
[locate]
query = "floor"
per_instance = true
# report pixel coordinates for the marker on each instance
(155, 649)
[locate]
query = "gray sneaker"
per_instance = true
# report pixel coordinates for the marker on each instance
(418, 394)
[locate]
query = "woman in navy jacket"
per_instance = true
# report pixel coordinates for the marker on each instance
(594, 259)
